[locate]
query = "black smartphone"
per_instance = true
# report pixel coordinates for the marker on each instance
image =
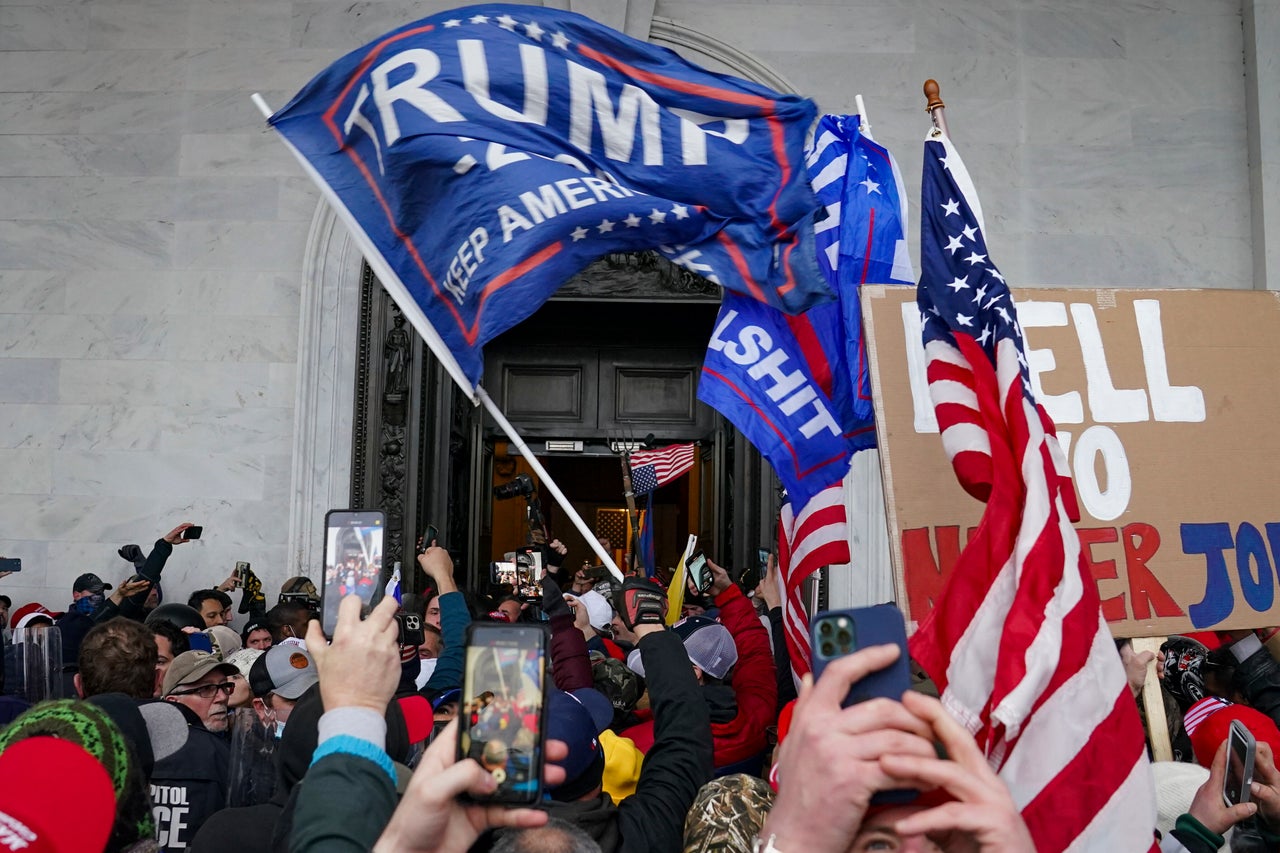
(595, 573)
(1241, 749)
(410, 628)
(352, 560)
(836, 633)
(10, 564)
(502, 721)
(193, 533)
(431, 534)
(698, 574)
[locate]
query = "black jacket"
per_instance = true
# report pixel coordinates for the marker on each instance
(189, 786)
(1258, 680)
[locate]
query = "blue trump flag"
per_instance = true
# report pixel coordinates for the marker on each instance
(862, 239)
(784, 382)
(484, 155)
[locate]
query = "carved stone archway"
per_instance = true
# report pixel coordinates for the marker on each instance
(331, 294)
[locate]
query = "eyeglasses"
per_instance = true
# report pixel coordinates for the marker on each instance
(207, 691)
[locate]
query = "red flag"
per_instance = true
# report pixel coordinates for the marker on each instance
(1016, 642)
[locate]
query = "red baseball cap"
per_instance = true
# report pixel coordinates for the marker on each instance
(25, 614)
(34, 767)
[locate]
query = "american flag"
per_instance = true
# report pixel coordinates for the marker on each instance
(816, 536)
(1016, 643)
(653, 468)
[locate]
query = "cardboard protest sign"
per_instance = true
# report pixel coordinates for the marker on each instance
(1168, 408)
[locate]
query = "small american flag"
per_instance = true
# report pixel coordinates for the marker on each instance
(653, 468)
(1016, 643)
(816, 536)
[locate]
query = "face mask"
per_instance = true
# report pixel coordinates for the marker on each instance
(279, 729)
(89, 603)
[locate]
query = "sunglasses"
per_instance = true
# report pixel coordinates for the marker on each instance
(207, 691)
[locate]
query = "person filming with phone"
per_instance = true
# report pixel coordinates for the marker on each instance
(733, 663)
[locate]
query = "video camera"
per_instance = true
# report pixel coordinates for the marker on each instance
(519, 486)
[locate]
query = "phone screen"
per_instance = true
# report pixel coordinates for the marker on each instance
(193, 533)
(697, 573)
(501, 722)
(1240, 755)
(352, 560)
(503, 573)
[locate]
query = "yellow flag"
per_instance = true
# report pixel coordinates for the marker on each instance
(675, 592)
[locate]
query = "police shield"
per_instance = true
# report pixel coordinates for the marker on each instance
(251, 770)
(39, 650)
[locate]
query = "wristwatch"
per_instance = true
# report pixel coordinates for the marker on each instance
(764, 845)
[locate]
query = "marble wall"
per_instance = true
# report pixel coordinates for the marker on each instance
(154, 237)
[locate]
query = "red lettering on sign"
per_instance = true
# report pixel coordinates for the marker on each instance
(1113, 608)
(926, 573)
(1141, 541)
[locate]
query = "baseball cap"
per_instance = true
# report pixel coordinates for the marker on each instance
(709, 645)
(299, 585)
(570, 720)
(38, 820)
(286, 671)
(28, 613)
(89, 582)
(190, 667)
(225, 641)
(599, 613)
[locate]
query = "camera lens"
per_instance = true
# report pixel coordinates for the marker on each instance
(828, 650)
(845, 639)
(825, 629)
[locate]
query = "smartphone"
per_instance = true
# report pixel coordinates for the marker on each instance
(352, 560)
(10, 564)
(595, 573)
(502, 721)
(697, 573)
(1241, 748)
(242, 568)
(193, 533)
(836, 633)
(429, 535)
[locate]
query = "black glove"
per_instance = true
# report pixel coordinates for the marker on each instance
(1183, 659)
(552, 558)
(553, 603)
(640, 601)
(134, 555)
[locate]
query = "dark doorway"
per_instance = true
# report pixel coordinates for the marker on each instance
(614, 357)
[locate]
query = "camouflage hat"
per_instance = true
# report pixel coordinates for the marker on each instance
(616, 681)
(727, 815)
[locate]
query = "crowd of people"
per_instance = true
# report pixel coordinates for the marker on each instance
(194, 724)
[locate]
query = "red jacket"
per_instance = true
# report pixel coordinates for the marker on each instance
(754, 684)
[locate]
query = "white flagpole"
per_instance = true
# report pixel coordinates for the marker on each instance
(435, 343)
(544, 479)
